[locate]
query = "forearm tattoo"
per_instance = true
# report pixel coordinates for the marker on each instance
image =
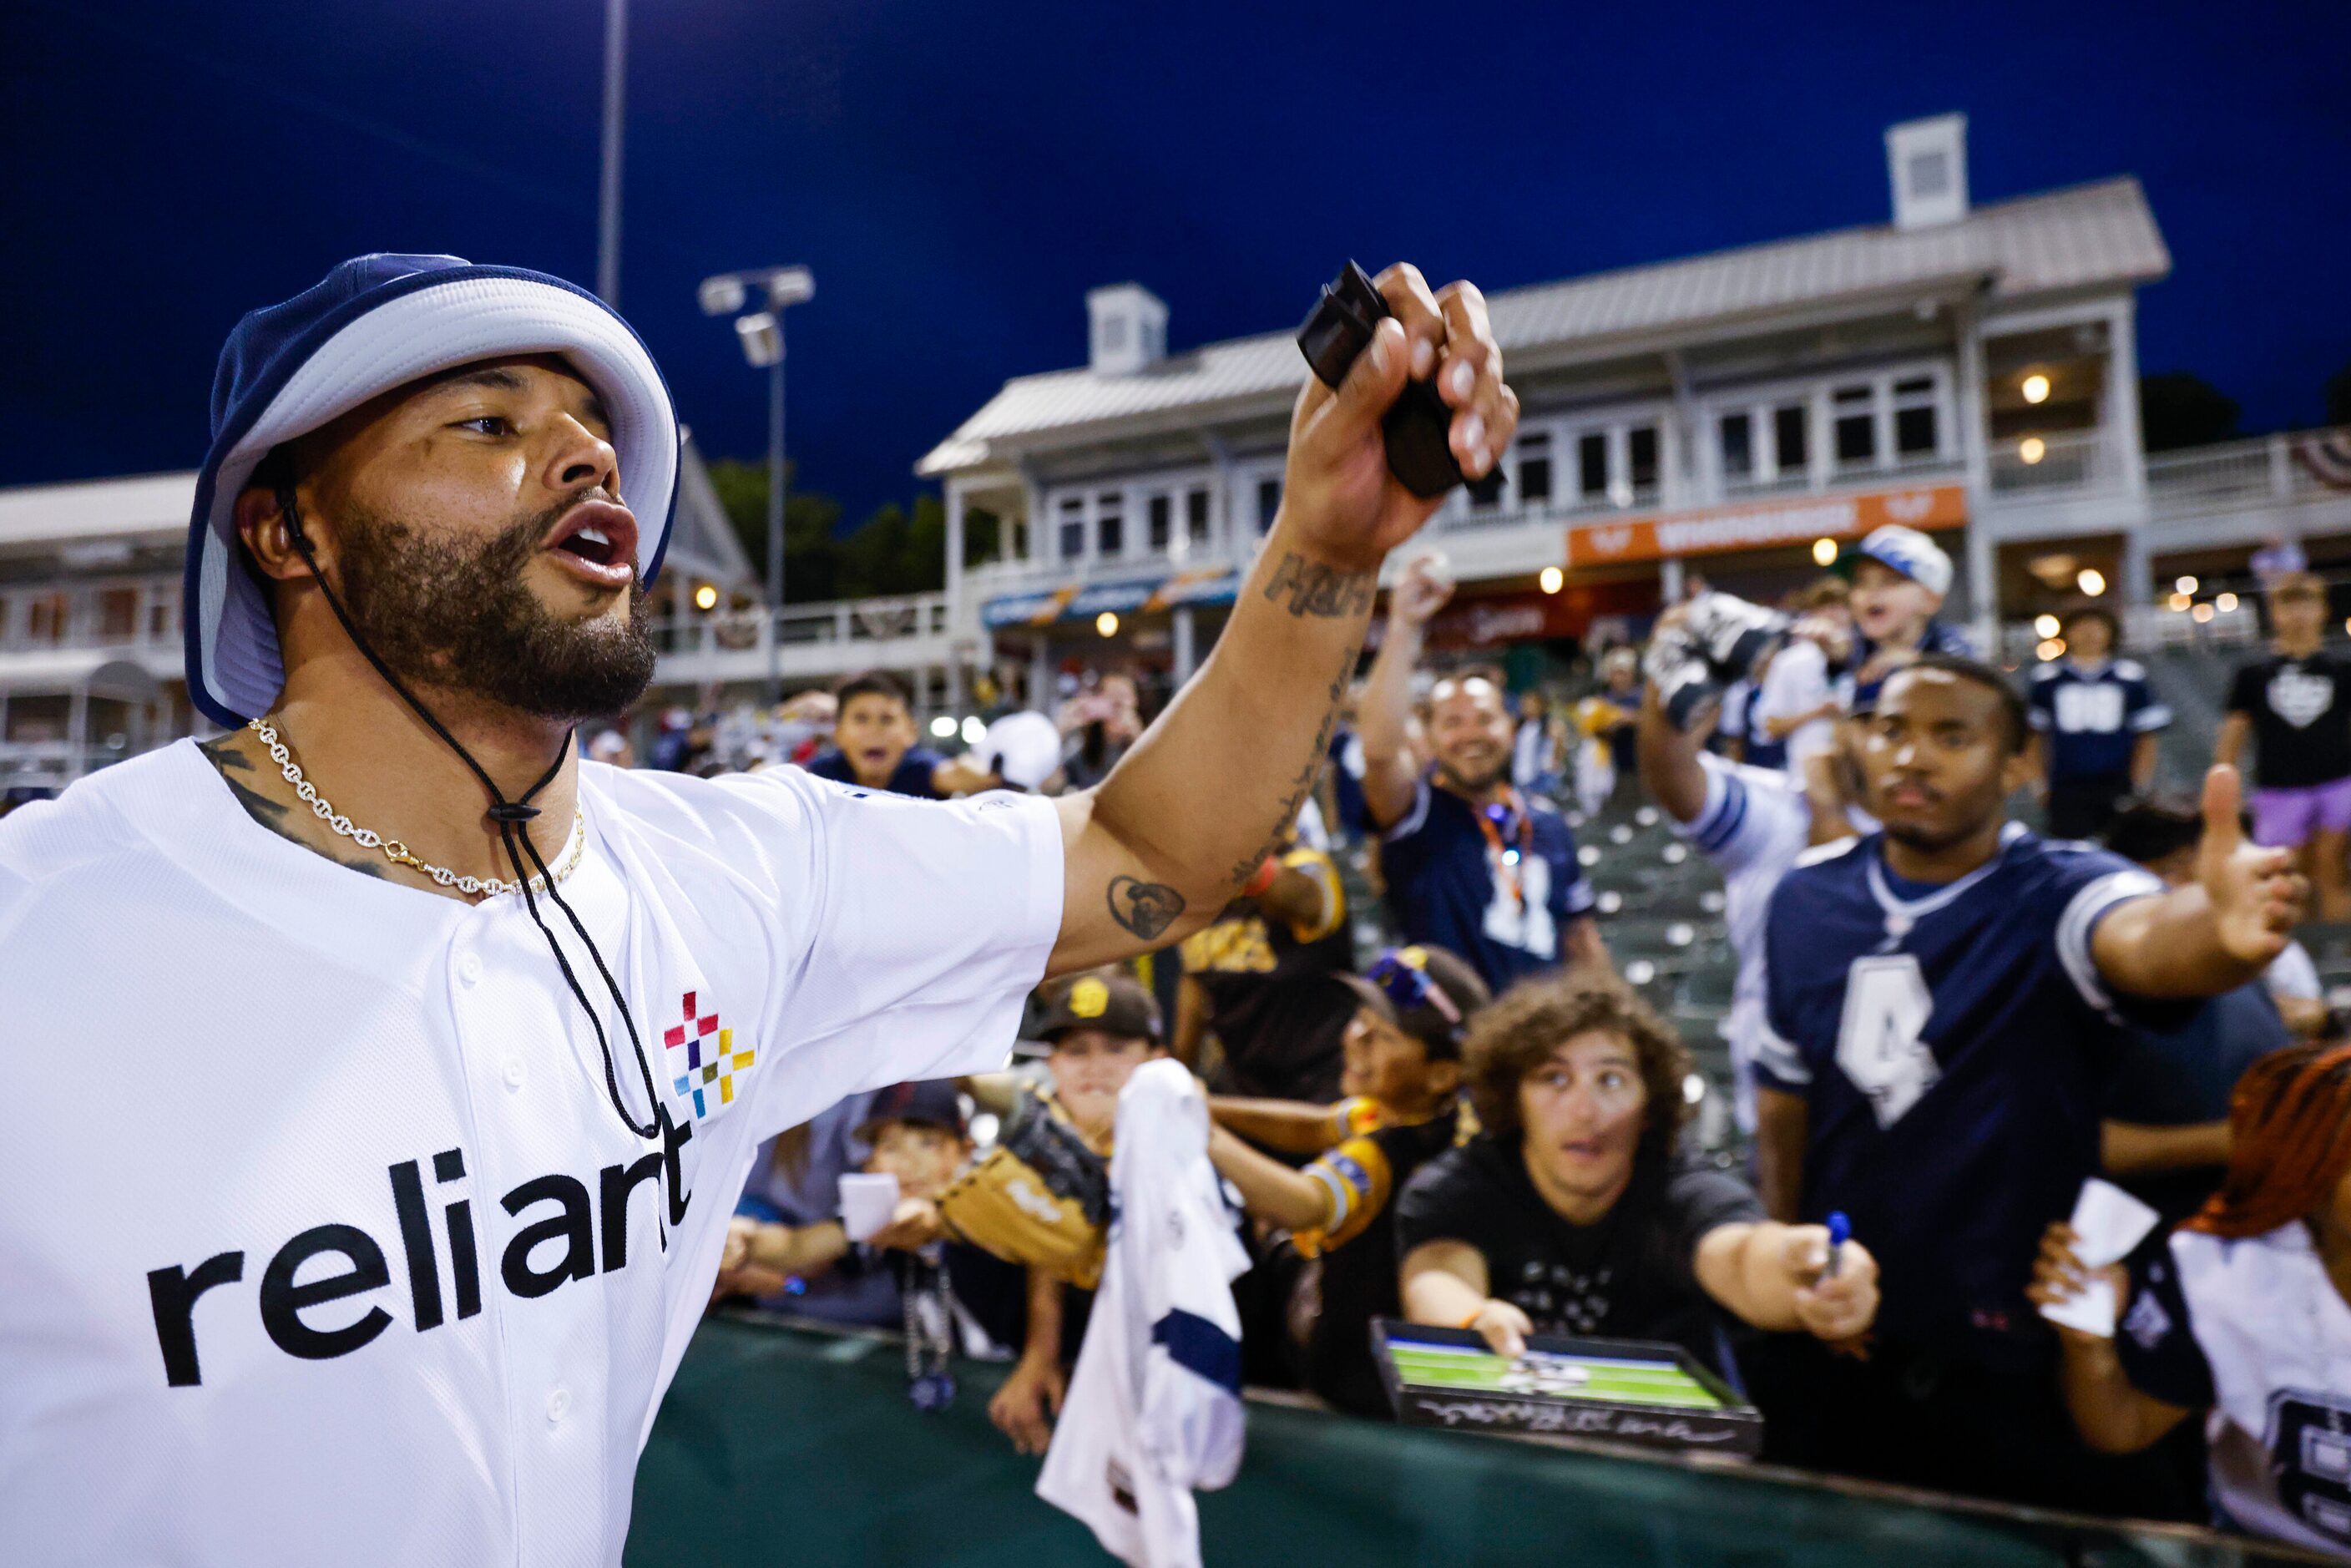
(1146, 908)
(1322, 591)
(236, 771)
(1310, 771)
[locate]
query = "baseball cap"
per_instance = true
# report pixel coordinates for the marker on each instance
(374, 323)
(1428, 992)
(1911, 553)
(934, 1101)
(1110, 1001)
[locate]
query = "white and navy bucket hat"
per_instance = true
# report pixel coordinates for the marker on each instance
(374, 323)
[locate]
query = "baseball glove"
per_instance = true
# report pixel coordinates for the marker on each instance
(1040, 1197)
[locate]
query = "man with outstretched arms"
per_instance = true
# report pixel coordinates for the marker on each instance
(1943, 1001)
(450, 1050)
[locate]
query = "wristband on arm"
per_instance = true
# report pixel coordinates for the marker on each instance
(1262, 878)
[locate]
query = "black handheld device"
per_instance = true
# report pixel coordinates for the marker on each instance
(1339, 328)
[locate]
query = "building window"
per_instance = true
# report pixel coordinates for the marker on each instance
(1073, 528)
(1641, 451)
(1913, 418)
(1269, 502)
(45, 618)
(1195, 515)
(1738, 445)
(1856, 426)
(1792, 438)
(1109, 524)
(1534, 468)
(1163, 510)
(1591, 465)
(118, 614)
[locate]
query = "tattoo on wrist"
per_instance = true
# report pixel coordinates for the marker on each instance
(1146, 908)
(1322, 591)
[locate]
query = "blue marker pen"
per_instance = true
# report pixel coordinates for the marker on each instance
(1840, 1232)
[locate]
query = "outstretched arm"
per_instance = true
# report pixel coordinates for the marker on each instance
(1196, 804)
(1269, 1190)
(2218, 932)
(1294, 1126)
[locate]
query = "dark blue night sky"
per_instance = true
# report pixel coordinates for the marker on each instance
(957, 175)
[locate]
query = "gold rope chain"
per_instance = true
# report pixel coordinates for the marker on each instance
(393, 850)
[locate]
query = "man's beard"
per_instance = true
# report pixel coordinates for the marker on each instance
(457, 615)
(1472, 783)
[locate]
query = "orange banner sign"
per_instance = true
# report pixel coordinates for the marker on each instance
(1764, 524)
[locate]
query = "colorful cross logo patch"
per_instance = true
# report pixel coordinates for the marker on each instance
(703, 1061)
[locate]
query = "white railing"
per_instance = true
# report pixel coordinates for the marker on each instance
(834, 621)
(2153, 628)
(2060, 460)
(2230, 473)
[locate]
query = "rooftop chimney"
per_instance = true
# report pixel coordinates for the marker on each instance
(1127, 329)
(1928, 159)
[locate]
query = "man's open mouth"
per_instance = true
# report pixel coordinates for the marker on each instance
(600, 538)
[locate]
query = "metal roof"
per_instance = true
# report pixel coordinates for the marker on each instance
(2101, 234)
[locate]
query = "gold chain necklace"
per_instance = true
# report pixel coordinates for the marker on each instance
(393, 850)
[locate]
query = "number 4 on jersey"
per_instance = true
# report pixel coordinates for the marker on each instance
(1886, 1003)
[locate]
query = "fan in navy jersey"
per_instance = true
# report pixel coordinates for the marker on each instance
(2242, 1314)
(1899, 579)
(1473, 865)
(873, 744)
(1943, 999)
(2095, 721)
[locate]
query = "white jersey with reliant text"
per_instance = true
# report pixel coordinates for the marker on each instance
(1155, 1407)
(321, 1238)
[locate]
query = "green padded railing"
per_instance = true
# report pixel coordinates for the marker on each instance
(785, 1445)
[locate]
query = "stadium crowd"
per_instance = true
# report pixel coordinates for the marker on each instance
(1438, 1096)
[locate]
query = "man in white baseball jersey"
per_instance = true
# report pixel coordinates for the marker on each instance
(375, 1150)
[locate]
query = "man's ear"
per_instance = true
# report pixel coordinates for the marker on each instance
(268, 533)
(1444, 1077)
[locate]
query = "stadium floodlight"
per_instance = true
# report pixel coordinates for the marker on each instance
(761, 334)
(762, 337)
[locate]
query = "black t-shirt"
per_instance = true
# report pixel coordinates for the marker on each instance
(1274, 1000)
(2301, 710)
(1358, 1260)
(1630, 1276)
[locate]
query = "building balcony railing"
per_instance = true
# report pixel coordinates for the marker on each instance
(2293, 466)
(834, 622)
(2030, 466)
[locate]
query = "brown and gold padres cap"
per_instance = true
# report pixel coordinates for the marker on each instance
(1107, 999)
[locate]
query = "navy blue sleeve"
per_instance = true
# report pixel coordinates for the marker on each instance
(2155, 1339)
(1572, 896)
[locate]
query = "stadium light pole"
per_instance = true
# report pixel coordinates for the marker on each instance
(761, 333)
(608, 192)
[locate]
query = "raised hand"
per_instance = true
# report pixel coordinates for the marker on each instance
(1350, 510)
(1419, 593)
(2255, 895)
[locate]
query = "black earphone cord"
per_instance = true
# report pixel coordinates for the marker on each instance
(510, 817)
